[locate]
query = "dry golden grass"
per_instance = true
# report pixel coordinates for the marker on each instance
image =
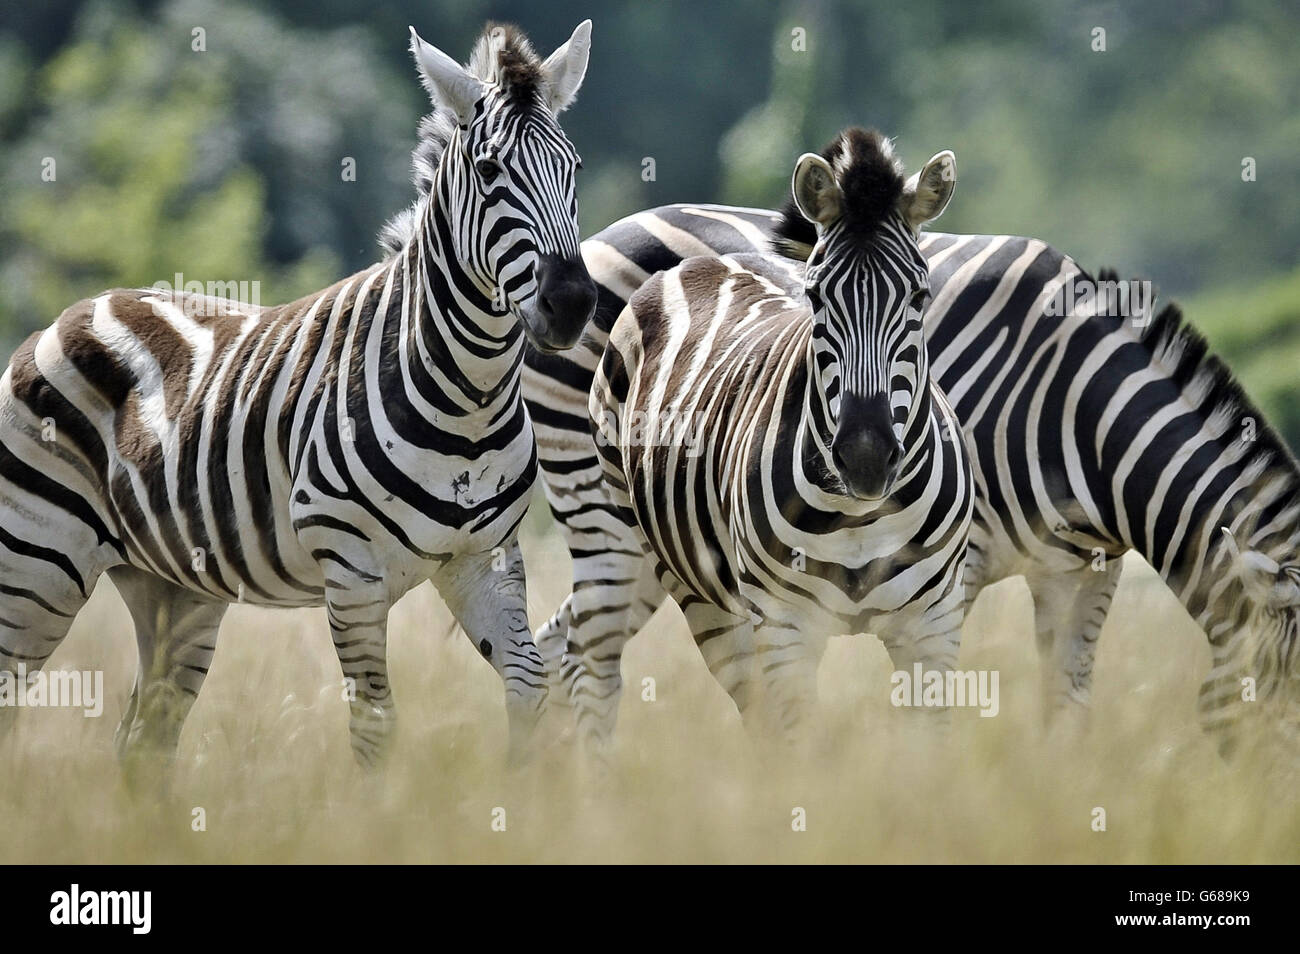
(265, 753)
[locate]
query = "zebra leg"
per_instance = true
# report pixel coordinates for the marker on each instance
(32, 625)
(645, 596)
(928, 635)
(602, 603)
(1069, 610)
(176, 634)
(488, 597)
(552, 639)
(650, 595)
(564, 667)
(553, 636)
(357, 604)
(726, 641)
(569, 673)
(1221, 710)
(789, 657)
(977, 570)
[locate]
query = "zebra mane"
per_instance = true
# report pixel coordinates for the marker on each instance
(1185, 355)
(502, 56)
(871, 179)
(793, 236)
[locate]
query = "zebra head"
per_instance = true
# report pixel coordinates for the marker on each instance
(867, 283)
(507, 176)
(1268, 647)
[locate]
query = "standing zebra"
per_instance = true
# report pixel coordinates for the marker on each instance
(335, 451)
(830, 491)
(1091, 434)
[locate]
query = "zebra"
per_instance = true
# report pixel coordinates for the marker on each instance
(830, 491)
(1092, 433)
(334, 451)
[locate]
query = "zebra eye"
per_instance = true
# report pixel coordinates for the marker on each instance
(487, 169)
(920, 298)
(814, 299)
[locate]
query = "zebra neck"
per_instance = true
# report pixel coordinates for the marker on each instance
(921, 416)
(455, 332)
(816, 429)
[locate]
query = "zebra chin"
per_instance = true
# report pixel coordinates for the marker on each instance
(869, 488)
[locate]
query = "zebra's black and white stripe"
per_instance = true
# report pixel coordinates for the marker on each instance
(335, 451)
(1091, 434)
(829, 490)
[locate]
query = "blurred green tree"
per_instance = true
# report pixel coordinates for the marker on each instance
(150, 152)
(226, 164)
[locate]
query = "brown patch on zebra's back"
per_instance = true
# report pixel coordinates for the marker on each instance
(168, 346)
(135, 442)
(26, 382)
(637, 324)
(96, 363)
(75, 438)
(701, 280)
(701, 277)
(203, 310)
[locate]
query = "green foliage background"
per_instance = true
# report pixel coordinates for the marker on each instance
(225, 164)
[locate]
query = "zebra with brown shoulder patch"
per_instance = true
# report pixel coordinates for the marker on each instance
(334, 451)
(830, 492)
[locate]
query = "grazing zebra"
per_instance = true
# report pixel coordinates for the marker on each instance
(335, 451)
(1091, 434)
(829, 491)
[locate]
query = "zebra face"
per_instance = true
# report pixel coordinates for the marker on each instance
(1270, 593)
(870, 352)
(521, 171)
(867, 283)
(509, 174)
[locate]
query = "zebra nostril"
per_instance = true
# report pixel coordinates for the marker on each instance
(838, 459)
(566, 294)
(570, 299)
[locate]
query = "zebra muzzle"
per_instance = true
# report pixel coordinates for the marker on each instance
(565, 302)
(865, 451)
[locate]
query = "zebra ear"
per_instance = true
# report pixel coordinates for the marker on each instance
(815, 190)
(449, 84)
(1265, 580)
(566, 67)
(926, 194)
